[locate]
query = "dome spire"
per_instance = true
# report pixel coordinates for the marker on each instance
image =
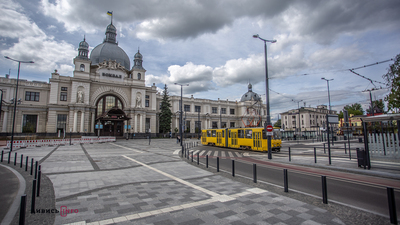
(83, 49)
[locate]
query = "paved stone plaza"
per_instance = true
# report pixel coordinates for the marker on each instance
(132, 182)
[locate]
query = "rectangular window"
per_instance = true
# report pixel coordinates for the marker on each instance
(197, 108)
(232, 111)
(223, 110)
(61, 121)
(240, 133)
(187, 126)
(214, 133)
(186, 108)
(248, 133)
(63, 96)
(147, 96)
(209, 133)
(64, 89)
(223, 124)
(29, 124)
(232, 124)
(147, 125)
(32, 96)
(214, 109)
(214, 125)
(197, 126)
(147, 103)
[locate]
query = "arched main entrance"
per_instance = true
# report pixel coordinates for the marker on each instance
(110, 114)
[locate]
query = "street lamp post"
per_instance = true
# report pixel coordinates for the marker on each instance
(298, 108)
(267, 91)
(180, 114)
(329, 96)
(15, 98)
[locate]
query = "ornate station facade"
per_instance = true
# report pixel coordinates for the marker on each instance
(107, 96)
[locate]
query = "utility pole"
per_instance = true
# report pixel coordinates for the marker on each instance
(370, 98)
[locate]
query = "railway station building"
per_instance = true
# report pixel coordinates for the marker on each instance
(107, 95)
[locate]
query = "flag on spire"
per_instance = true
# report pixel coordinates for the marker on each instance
(109, 13)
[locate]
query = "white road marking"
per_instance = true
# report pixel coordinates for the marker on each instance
(131, 149)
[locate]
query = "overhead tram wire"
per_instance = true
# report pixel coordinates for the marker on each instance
(343, 70)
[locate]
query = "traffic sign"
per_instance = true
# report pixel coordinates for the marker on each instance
(270, 128)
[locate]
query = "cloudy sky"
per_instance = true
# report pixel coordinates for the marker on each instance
(209, 44)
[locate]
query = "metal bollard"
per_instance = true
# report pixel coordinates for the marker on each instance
(324, 149)
(324, 190)
(206, 161)
(15, 159)
(36, 169)
(315, 155)
(22, 158)
(31, 166)
(22, 209)
(9, 156)
(198, 158)
(2, 153)
(33, 197)
(345, 150)
(26, 164)
(233, 167)
(254, 173)
(192, 156)
(290, 158)
(217, 164)
(392, 205)
(285, 180)
(38, 183)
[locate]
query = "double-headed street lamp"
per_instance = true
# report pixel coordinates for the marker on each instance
(329, 96)
(180, 115)
(267, 91)
(15, 97)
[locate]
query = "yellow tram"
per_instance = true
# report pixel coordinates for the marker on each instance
(251, 138)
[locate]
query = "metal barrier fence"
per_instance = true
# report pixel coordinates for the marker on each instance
(85, 140)
(384, 145)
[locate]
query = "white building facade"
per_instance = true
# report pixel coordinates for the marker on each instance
(107, 96)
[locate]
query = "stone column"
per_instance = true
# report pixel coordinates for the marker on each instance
(82, 122)
(92, 124)
(141, 123)
(135, 125)
(75, 121)
(5, 119)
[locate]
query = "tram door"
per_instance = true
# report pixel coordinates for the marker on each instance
(220, 137)
(257, 141)
(234, 140)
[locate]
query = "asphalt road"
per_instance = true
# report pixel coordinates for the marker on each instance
(370, 197)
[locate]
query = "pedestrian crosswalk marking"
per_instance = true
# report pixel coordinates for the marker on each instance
(224, 154)
(216, 153)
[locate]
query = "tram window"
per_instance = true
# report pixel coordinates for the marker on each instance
(223, 133)
(214, 133)
(229, 134)
(248, 133)
(209, 133)
(240, 133)
(264, 134)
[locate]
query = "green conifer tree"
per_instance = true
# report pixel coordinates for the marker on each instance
(165, 114)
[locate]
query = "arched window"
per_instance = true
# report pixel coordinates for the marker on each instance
(82, 68)
(139, 76)
(107, 102)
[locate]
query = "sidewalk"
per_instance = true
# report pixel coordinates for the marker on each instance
(132, 182)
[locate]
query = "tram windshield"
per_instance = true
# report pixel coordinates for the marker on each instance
(277, 134)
